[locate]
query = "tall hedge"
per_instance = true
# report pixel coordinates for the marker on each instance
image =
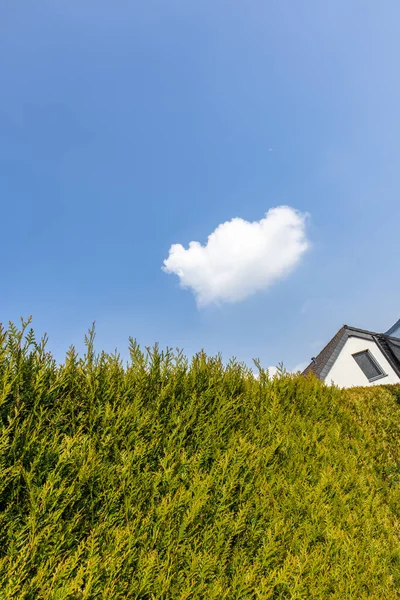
(168, 478)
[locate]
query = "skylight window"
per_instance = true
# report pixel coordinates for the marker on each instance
(368, 365)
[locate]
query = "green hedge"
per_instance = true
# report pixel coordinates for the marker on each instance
(168, 478)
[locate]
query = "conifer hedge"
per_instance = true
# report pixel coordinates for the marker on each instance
(174, 479)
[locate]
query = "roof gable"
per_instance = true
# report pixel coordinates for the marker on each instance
(322, 364)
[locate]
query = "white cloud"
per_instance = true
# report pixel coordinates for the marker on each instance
(272, 371)
(240, 257)
(300, 367)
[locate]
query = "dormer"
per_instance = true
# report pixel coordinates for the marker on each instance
(394, 331)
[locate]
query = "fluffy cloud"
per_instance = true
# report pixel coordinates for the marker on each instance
(273, 371)
(241, 258)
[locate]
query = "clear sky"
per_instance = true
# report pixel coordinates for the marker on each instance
(127, 127)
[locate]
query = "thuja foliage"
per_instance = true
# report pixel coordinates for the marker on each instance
(166, 478)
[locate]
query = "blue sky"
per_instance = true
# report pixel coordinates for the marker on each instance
(127, 127)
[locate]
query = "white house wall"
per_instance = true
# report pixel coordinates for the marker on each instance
(346, 372)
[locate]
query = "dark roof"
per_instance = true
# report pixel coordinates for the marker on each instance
(322, 364)
(393, 328)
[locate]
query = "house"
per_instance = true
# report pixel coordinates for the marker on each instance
(358, 357)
